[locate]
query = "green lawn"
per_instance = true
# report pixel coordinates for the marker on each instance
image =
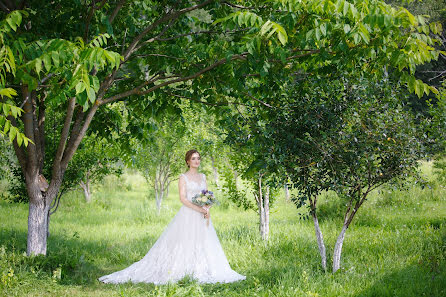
(396, 246)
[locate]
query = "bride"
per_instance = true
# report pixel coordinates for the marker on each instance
(188, 246)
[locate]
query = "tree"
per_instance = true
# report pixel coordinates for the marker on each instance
(351, 142)
(158, 48)
(160, 157)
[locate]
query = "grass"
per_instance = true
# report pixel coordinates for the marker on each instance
(396, 246)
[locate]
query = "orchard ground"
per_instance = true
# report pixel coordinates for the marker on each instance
(396, 245)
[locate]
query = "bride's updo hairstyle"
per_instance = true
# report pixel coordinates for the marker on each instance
(189, 155)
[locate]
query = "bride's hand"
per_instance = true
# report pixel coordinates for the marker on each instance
(206, 214)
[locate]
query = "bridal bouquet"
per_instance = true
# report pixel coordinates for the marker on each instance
(205, 199)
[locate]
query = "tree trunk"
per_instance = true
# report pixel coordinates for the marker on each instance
(287, 192)
(320, 241)
(338, 249)
(86, 190)
(37, 218)
(263, 206)
(266, 214)
(159, 201)
(167, 188)
(37, 228)
(215, 171)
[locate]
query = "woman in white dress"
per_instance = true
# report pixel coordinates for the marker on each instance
(188, 246)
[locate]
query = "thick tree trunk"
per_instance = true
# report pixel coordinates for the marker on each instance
(37, 228)
(37, 219)
(320, 241)
(338, 249)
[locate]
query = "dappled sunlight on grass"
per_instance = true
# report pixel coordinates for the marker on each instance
(396, 246)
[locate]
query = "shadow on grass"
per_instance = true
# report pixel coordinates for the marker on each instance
(70, 259)
(414, 280)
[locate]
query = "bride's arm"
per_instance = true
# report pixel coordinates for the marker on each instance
(183, 199)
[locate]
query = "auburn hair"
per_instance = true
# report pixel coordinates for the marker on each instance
(189, 155)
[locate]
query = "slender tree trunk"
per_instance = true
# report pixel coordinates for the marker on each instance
(167, 188)
(320, 241)
(338, 249)
(263, 206)
(215, 171)
(86, 190)
(348, 218)
(287, 192)
(266, 214)
(160, 201)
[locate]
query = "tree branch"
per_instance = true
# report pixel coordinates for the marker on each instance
(258, 100)
(64, 134)
(69, 152)
(165, 18)
(4, 7)
(115, 11)
(201, 32)
(136, 91)
(36, 127)
(41, 125)
(90, 15)
(31, 167)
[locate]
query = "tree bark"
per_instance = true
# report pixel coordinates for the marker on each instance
(215, 171)
(338, 249)
(266, 214)
(320, 241)
(86, 190)
(263, 206)
(287, 192)
(37, 219)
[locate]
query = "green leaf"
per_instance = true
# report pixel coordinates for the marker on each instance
(91, 95)
(96, 84)
(283, 38)
(323, 29)
(38, 65)
(55, 57)
(6, 109)
(317, 34)
(47, 62)
(12, 133)
(19, 139)
(7, 126)
(80, 87)
(8, 92)
(11, 23)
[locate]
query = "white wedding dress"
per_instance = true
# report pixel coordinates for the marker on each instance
(188, 246)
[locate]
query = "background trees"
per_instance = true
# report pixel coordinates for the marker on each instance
(149, 53)
(159, 157)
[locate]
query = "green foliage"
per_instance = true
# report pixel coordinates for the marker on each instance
(96, 158)
(8, 66)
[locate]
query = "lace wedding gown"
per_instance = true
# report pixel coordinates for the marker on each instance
(188, 246)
